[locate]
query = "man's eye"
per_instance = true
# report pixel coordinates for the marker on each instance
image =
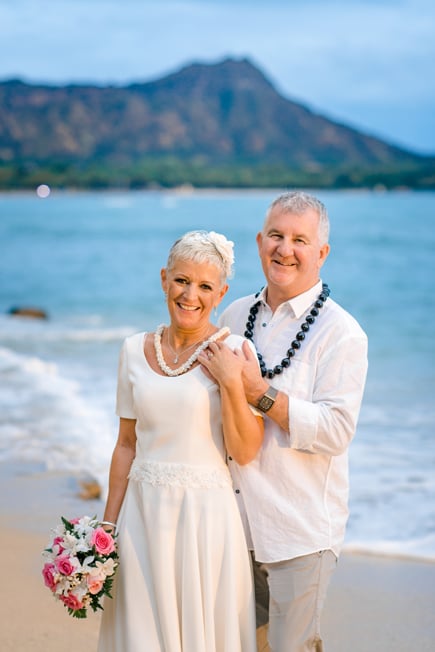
(206, 287)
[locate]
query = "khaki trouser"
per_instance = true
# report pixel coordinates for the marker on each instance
(291, 594)
(262, 644)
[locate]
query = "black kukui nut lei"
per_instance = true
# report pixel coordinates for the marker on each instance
(300, 336)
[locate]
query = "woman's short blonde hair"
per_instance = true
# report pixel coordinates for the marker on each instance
(204, 247)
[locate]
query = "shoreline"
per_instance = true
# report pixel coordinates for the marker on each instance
(375, 603)
(33, 498)
(181, 191)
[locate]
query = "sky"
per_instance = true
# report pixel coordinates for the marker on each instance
(365, 63)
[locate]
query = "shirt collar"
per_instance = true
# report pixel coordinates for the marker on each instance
(301, 302)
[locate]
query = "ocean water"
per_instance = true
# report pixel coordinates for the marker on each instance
(92, 261)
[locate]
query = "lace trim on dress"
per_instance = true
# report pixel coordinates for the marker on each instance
(179, 475)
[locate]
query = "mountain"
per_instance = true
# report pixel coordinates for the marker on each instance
(204, 124)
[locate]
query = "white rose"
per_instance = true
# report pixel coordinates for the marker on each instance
(225, 248)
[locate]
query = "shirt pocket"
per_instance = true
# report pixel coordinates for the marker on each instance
(298, 380)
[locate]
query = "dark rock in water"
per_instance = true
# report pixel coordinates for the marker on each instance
(23, 311)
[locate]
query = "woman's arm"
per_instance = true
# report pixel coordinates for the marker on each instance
(122, 458)
(243, 430)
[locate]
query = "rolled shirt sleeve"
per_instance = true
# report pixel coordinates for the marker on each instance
(326, 422)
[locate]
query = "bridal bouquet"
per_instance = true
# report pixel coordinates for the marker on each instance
(80, 564)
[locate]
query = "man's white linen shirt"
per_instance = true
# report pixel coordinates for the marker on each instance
(294, 496)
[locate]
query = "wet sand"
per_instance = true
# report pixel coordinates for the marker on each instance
(374, 604)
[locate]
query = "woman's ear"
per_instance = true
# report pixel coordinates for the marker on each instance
(222, 293)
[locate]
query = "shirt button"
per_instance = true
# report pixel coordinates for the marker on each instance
(237, 491)
(264, 324)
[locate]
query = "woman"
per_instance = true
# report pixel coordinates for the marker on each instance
(184, 579)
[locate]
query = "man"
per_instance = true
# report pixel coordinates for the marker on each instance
(313, 356)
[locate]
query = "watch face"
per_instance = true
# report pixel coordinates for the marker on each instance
(265, 403)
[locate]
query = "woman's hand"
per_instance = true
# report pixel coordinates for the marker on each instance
(222, 364)
(108, 526)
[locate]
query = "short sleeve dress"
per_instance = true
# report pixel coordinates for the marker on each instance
(184, 580)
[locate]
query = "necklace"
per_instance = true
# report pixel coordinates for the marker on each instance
(193, 358)
(178, 355)
(300, 336)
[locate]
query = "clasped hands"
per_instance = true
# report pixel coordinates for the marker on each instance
(224, 366)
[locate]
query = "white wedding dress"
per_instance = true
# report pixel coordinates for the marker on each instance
(184, 579)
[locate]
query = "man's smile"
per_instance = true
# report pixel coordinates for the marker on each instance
(283, 264)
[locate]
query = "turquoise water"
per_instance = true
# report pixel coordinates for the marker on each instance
(92, 261)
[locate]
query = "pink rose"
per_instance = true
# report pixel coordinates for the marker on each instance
(72, 601)
(74, 521)
(103, 541)
(94, 584)
(48, 573)
(64, 565)
(58, 541)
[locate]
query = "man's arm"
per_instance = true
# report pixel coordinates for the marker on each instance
(256, 386)
(325, 423)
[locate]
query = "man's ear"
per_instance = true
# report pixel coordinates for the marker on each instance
(323, 254)
(163, 279)
(259, 239)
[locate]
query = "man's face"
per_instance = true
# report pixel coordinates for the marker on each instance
(290, 251)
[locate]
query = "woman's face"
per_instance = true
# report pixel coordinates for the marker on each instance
(193, 290)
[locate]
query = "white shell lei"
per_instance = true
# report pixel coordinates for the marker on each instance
(193, 358)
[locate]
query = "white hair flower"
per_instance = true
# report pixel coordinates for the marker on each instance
(225, 249)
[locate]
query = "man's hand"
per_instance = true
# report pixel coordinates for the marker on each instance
(254, 384)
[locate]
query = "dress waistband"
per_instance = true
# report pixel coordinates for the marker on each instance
(179, 475)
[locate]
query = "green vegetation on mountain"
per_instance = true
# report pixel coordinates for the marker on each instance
(221, 125)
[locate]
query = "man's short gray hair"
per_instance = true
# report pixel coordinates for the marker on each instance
(299, 202)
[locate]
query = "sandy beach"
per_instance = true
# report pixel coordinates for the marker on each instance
(375, 604)
(31, 503)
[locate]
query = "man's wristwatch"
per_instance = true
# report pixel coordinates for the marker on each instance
(267, 400)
